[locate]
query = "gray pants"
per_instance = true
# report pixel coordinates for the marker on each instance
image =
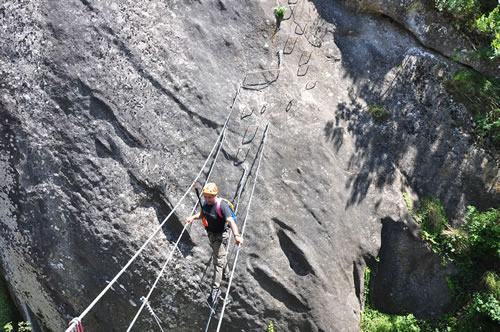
(218, 242)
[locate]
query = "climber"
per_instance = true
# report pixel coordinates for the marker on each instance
(218, 215)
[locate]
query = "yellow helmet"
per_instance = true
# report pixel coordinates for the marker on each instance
(210, 188)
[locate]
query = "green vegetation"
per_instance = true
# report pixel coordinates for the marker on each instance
(8, 312)
(375, 321)
(379, 112)
(21, 327)
(475, 250)
(367, 292)
(408, 202)
(478, 19)
(481, 96)
(279, 13)
(492, 283)
(434, 226)
(270, 327)
(462, 10)
(490, 24)
(477, 242)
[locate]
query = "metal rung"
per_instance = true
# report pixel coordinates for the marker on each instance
(310, 85)
(306, 60)
(299, 29)
(290, 50)
(301, 71)
(250, 138)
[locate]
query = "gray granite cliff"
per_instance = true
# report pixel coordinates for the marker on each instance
(109, 109)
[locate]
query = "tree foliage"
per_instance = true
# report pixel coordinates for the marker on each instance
(476, 17)
(481, 95)
(475, 249)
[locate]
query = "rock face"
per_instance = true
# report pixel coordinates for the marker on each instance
(109, 109)
(409, 278)
(432, 28)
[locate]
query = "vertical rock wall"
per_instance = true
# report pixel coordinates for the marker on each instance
(109, 109)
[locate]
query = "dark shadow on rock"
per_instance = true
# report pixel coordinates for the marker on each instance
(283, 225)
(409, 277)
(156, 199)
(357, 276)
(279, 291)
(425, 136)
(101, 109)
(334, 134)
(296, 257)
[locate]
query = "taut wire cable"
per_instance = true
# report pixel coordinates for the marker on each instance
(73, 323)
(243, 229)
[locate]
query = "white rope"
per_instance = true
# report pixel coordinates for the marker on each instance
(221, 139)
(103, 292)
(146, 299)
(242, 230)
(155, 316)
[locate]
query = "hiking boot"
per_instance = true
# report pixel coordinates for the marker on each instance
(213, 296)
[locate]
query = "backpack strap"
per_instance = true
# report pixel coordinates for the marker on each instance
(219, 200)
(229, 205)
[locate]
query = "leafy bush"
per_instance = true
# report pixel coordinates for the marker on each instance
(379, 112)
(435, 228)
(407, 200)
(462, 10)
(375, 321)
(490, 24)
(476, 17)
(491, 283)
(7, 312)
(21, 327)
(481, 95)
(479, 90)
(366, 294)
(432, 216)
(485, 304)
(475, 248)
(478, 241)
(483, 230)
(270, 327)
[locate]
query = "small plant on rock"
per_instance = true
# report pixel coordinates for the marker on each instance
(379, 112)
(491, 282)
(21, 327)
(279, 13)
(270, 327)
(481, 95)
